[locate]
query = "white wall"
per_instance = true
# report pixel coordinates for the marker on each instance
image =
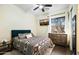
(11, 17)
(42, 30)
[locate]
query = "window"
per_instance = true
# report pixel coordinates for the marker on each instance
(58, 25)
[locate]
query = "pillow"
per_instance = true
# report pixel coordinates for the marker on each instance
(21, 36)
(29, 35)
(15, 37)
(33, 35)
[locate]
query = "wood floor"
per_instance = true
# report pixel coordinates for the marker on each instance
(58, 50)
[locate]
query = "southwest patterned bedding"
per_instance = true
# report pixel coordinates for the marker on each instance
(33, 46)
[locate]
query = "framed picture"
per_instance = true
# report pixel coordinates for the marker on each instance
(44, 22)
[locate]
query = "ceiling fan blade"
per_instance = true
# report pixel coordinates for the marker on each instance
(48, 5)
(43, 10)
(36, 8)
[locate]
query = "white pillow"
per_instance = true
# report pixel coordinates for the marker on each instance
(21, 36)
(29, 35)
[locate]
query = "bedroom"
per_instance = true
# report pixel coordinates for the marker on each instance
(22, 18)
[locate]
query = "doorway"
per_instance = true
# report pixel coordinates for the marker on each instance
(73, 22)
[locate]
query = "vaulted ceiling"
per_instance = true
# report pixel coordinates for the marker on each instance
(30, 7)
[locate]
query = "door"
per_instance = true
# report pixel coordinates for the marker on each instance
(74, 35)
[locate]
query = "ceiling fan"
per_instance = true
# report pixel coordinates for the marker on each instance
(42, 6)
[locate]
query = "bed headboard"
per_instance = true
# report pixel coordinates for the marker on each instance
(15, 33)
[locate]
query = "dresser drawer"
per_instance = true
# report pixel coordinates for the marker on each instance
(59, 39)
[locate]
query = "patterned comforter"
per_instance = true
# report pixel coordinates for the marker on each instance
(33, 46)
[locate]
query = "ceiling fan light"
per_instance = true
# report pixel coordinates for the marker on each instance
(40, 6)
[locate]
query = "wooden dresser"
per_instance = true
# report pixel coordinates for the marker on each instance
(59, 39)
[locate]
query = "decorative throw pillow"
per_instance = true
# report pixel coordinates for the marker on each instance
(21, 36)
(29, 35)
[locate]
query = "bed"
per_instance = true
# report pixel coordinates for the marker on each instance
(34, 45)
